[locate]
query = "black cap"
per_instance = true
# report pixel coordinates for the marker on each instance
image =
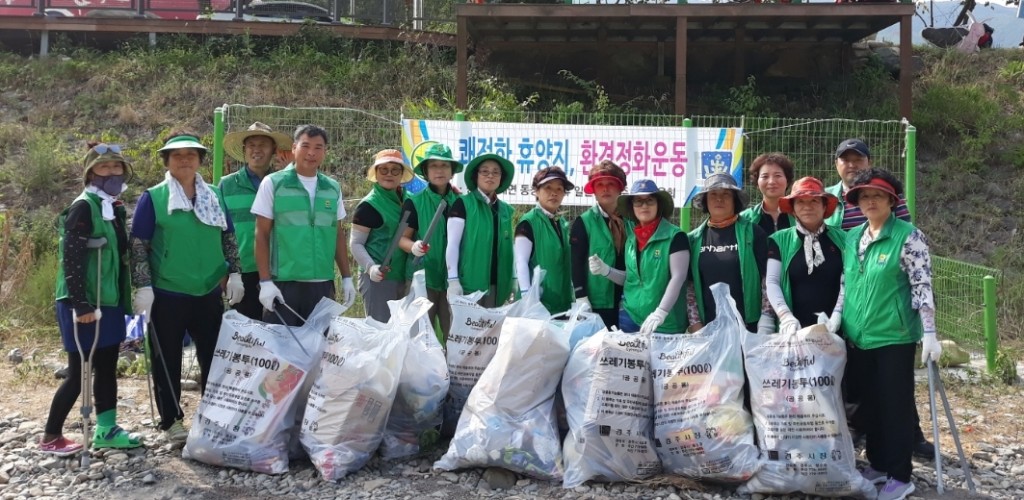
(853, 145)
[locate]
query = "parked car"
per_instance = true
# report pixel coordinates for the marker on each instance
(280, 11)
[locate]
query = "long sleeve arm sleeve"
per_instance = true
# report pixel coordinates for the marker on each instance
(773, 288)
(357, 242)
(451, 255)
(842, 295)
(522, 249)
(617, 276)
(679, 266)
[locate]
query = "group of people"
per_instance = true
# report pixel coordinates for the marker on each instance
(268, 242)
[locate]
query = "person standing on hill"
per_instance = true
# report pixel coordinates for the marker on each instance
(437, 167)
(542, 239)
(772, 173)
(95, 214)
(374, 224)
(257, 147)
(299, 234)
(182, 237)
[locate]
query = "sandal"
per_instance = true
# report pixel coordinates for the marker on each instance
(114, 437)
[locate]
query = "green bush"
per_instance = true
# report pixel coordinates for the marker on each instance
(37, 295)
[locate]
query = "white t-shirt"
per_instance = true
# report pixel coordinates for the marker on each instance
(263, 205)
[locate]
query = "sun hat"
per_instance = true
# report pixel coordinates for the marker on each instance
(508, 171)
(853, 145)
(433, 151)
(716, 182)
(234, 143)
(183, 142)
(605, 170)
(853, 194)
(385, 156)
(808, 187)
(644, 187)
(104, 152)
(548, 174)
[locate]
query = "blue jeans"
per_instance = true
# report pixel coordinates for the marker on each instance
(626, 323)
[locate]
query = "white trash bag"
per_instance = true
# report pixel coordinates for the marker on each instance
(797, 400)
(609, 404)
(422, 388)
(701, 428)
(509, 419)
(349, 404)
(246, 414)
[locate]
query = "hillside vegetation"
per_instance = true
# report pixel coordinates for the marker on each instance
(968, 110)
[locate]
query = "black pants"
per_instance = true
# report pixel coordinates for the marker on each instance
(173, 316)
(301, 296)
(883, 380)
(104, 387)
(250, 306)
(609, 316)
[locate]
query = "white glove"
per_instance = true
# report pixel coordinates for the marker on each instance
(832, 323)
(766, 325)
(235, 289)
(598, 267)
(420, 248)
(268, 293)
(584, 303)
(454, 288)
(930, 348)
(375, 274)
(788, 324)
(142, 301)
(348, 290)
(653, 321)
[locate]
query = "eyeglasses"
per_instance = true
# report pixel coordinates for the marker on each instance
(389, 171)
(103, 148)
(645, 202)
(489, 173)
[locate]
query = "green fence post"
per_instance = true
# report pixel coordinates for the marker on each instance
(911, 172)
(218, 144)
(991, 333)
(460, 116)
(684, 211)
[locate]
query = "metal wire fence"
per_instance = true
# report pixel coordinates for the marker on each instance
(959, 299)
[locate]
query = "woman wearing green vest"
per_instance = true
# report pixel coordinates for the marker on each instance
(257, 147)
(482, 261)
(805, 262)
(889, 307)
(183, 245)
(96, 213)
(772, 173)
(542, 239)
(374, 224)
(657, 256)
(437, 166)
(728, 249)
(600, 231)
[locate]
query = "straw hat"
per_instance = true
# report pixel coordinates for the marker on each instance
(234, 143)
(385, 156)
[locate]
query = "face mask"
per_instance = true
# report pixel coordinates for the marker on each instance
(111, 184)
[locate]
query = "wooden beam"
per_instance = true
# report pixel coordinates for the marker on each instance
(739, 75)
(461, 64)
(906, 67)
(663, 11)
(680, 86)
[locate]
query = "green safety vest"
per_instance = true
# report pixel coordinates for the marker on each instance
(239, 194)
(551, 253)
(600, 290)
(305, 238)
(836, 219)
(389, 206)
(433, 264)
(754, 213)
(790, 245)
(877, 310)
(647, 279)
(115, 286)
(186, 256)
(750, 275)
(477, 244)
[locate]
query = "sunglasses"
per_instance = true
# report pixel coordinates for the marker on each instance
(105, 148)
(389, 171)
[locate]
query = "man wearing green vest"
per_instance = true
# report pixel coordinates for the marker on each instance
(542, 240)
(183, 245)
(374, 225)
(437, 166)
(257, 147)
(299, 234)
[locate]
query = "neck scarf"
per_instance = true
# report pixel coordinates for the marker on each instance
(719, 224)
(617, 227)
(206, 206)
(644, 232)
(813, 255)
(106, 201)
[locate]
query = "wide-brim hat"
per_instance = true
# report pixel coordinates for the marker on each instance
(94, 157)
(646, 187)
(234, 143)
(433, 151)
(549, 174)
(808, 187)
(385, 156)
(506, 167)
(183, 142)
(853, 194)
(716, 182)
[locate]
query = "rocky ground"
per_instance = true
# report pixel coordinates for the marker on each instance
(987, 416)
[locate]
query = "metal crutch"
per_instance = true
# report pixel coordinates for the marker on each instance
(935, 381)
(86, 375)
(150, 381)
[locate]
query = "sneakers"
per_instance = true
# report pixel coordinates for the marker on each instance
(113, 437)
(176, 434)
(895, 490)
(61, 447)
(873, 476)
(924, 450)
